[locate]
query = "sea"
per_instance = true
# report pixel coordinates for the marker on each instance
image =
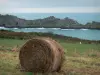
(88, 34)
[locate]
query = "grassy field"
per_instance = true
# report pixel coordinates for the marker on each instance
(80, 59)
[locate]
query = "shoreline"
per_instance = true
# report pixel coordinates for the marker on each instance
(29, 35)
(47, 27)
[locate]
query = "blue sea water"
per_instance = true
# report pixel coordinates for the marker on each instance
(79, 33)
(82, 18)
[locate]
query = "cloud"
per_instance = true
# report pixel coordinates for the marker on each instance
(50, 6)
(3, 2)
(53, 10)
(49, 3)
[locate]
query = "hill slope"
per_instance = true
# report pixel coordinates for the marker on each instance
(49, 22)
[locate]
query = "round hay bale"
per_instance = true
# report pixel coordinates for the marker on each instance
(41, 55)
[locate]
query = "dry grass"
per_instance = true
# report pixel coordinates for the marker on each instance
(81, 59)
(73, 65)
(41, 55)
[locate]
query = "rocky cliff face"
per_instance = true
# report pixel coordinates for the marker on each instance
(49, 22)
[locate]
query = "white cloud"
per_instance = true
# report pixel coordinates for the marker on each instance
(48, 3)
(53, 10)
(3, 1)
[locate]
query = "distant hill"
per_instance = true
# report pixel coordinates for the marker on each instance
(93, 25)
(11, 21)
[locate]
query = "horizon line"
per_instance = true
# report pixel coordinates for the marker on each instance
(52, 10)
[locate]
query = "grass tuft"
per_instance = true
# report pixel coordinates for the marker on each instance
(81, 59)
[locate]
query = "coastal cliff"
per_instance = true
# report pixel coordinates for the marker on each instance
(10, 21)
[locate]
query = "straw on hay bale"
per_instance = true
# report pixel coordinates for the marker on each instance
(41, 55)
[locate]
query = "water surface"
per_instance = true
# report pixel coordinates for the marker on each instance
(79, 33)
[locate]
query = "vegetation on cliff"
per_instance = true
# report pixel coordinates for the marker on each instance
(11, 21)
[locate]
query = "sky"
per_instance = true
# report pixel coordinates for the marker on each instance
(49, 3)
(49, 6)
(78, 9)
